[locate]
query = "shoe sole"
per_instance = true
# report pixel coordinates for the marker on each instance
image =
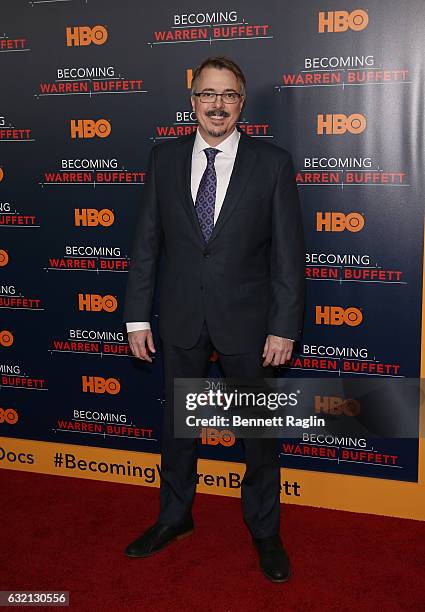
(179, 537)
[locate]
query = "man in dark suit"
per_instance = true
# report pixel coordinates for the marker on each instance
(224, 208)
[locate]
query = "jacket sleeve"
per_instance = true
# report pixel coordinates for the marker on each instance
(287, 268)
(144, 253)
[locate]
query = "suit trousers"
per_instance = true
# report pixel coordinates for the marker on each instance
(260, 487)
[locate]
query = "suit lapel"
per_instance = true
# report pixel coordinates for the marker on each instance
(241, 173)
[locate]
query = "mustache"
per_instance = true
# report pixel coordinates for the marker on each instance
(218, 112)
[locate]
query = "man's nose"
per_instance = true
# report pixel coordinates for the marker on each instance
(219, 102)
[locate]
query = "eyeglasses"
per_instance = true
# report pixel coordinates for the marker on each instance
(229, 97)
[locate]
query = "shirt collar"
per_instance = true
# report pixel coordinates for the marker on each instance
(229, 146)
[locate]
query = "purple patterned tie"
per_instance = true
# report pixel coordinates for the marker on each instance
(205, 198)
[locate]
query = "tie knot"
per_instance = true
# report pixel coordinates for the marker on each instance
(211, 153)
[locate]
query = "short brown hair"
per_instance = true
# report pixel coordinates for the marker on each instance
(221, 62)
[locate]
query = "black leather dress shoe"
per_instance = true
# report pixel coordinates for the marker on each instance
(156, 538)
(274, 561)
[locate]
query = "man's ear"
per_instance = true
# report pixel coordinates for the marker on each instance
(192, 102)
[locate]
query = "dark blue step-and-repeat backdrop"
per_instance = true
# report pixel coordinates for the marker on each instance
(87, 87)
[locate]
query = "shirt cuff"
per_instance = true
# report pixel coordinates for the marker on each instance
(138, 326)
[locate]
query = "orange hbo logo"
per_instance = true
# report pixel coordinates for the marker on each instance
(340, 124)
(337, 406)
(1, 174)
(341, 21)
(8, 415)
(95, 303)
(6, 338)
(98, 384)
(90, 217)
(189, 77)
(338, 222)
(336, 315)
(81, 36)
(87, 128)
(213, 437)
(4, 258)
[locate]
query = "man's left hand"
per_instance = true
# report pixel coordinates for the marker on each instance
(277, 350)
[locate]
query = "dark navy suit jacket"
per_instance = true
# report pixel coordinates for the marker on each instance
(248, 280)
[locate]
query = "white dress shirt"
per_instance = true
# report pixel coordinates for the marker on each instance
(224, 163)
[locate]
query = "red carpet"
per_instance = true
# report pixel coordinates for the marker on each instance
(69, 534)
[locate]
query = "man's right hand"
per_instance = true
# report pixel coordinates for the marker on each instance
(140, 342)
